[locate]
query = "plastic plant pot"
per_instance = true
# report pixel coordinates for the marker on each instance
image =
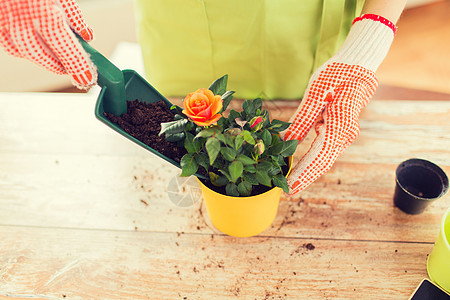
(242, 216)
(438, 262)
(418, 183)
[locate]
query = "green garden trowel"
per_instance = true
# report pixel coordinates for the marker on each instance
(118, 86)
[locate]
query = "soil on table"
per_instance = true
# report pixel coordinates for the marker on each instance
(143, 121)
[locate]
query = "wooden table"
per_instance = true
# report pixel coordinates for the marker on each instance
(87, 214)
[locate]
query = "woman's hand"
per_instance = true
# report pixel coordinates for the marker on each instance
(41, 31)
(336, 94)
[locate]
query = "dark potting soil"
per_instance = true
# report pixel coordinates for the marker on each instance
(143, 121)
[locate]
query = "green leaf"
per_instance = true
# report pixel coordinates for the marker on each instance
(222, 181)
(219, 86)
(233, 116)
(235, 168)
(275, 161)
(220, 137)
(264, 166)
(238, 142)
(178, 116)
(213, 177)
(278, 125)
(231, 189)
(229, 140)
(192, 145)
(280, 181)
(188, 165)
(226, 97)
(226, 174)
(248, 137)
(221, 122)
(219, 163)
(266, 137)
(218, 180)
(250, 169)
(285, 148)
(245, 160)
(274, 170)
(190, 126)
(207, 132)
(202, 160)
(263, 178)
(276, 140)
(228, 153)
(175, 137)
(249, 107)
(251, 178)
(173, 126)
(244, 188)
(213, 148)
(257, 103)
(281, 161)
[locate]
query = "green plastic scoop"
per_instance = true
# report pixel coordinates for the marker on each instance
(118, 86)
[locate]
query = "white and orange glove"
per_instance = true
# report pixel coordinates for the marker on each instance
(335, 96)
(41, 31)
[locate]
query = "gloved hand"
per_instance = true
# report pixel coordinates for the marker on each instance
(41, 31)
(335, 96)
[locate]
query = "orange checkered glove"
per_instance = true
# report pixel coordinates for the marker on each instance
(41, 31)
(336, 94)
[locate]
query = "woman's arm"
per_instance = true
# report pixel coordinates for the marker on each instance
(340, 89)
(389, 9)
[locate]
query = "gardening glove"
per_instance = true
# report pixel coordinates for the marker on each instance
(335, 96)
(41, 31)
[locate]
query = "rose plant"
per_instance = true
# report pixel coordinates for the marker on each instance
(237, 151)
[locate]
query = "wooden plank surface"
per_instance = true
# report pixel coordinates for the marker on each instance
(107, 264)
(84, 213)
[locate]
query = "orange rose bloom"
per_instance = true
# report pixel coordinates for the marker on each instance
(203, 107)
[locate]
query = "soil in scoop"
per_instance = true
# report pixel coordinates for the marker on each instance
(143, 121)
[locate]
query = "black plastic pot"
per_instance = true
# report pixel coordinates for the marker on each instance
(418, 183)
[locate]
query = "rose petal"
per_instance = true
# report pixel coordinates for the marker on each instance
(209, 94)
(187, 113)
(198, 109)
(202, 124)
(215, 118)
(197, 118)
(208, 122)
(200, 101)
(186, 104)
(216, 105)
(192, 103)
(206, 113)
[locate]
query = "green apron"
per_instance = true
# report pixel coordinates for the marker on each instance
(269, 48)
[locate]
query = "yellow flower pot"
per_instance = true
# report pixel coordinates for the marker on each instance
(242, 216)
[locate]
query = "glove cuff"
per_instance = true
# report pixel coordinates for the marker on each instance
(378, 19)
(368, 42)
